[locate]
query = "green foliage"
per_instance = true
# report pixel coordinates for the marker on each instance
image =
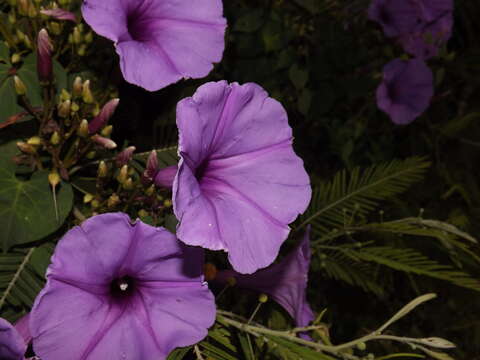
(27, 209)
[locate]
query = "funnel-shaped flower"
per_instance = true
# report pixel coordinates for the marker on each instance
(12, 345)
(397, 17)
(160, 41)
(44, 56)
(285, 282)
(117, 290)
(239, 183)
(406, 90)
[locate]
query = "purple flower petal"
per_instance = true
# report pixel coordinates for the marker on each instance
(122, 291)
(160, 42)
(406, 90)
(239, 183)
(12, 346)
(396, 17)
(165, 177)
(60, 14)
(285, 282)
(23, 329)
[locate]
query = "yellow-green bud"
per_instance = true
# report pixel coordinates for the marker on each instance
(263, 298)
(70, 39)
(96, 110)
(142, 213)
(87, 93)
(55, 138)
(16, 58)
(27, 42)
(167, 203)
(32, 11)
(113, 201)
(77, 87)
(65, 95)
(91, 154)
(128, 184)
(75, 107)
(122, 176)
(34, 140)
(107, 130)
(20, 34)
(89, 37)
(54, 178)
(64, 108)
(82, 50)
(11, 18)
(26, 148)
(82, 130)
(361, 346)
(23, 6)
(77, 36)
(102, 169)
(55, 28)
(150, 190)
(87, 198)
(64, 3)
(20, 87)
(95, 203)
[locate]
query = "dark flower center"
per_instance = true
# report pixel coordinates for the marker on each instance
(122, 287)
(385, 15)
(200, 171)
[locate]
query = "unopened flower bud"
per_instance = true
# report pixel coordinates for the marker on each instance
(95, 203)
(263, 298)
(150, 190)
(91, 154)
(89, 37)
(151, 169)
(105, 142)
(20, 87)
(107, 131)
(64, 2)
(65, 95)
(27, 42)
(55, 138)
(20, 34)
(26, 148)
(102, 169)
(77, 87)
(34, 140)
(64, 109)
(167, 203)
(54, 178)
(82, 130)
(32, 11)
(125, 156)
(87, 93)
(87, 198)
(165, 176)
(122, 176)
(77, 36)
(128, 184)
(361, 346)
(82, 50)
(44, 56)
(15, 58)
(142, 213)
(55, 28)
(113, 201)
(102, 118)
(23, 6)
(75, 107)
(60, 14)
(12, 18)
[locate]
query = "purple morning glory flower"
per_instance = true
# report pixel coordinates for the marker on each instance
(397, 17)
(285, 282)
(12, 345)
(239, 182)
(120, 290)
(406, 90)
(160, 41)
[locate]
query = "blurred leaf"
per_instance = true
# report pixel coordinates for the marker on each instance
(298, 76)
(249, 22)
(179, 354)
(27, 211)
(313, 6)
(4, 52)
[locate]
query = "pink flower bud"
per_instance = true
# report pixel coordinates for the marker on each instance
(102, 141)
(60, 14)
(44, 56)
(125, 156)
(101, 119)
(165, 176)
(151, 169)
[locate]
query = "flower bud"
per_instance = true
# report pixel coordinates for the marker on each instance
(15, 58)
(27, 42)
(107, 131)
(20, 87)
(113, 201)
(32, 11)
(64, 109)
(125, 156)
(361, 346)
(102, 118)
(102, 169)
(77, 36)
(60, 14)
(75, 107)
(82, 130)
(151, 168)
(167, 203)
(128, 184)
(55, 28)
(23, 6)
(87, 198)
(35, 141)
(87, 93)
(65, 95)
(44, 56)
(77, 87)
(263, 298)
(55, 138)
(150, 190)
(105, 142)
(26, 148)
(91, 154)
(142, 213)
(122, 176)
(20, 34)
(95, 203)
(12, 18)
(164, 177)
(89, 37)
(54, 178)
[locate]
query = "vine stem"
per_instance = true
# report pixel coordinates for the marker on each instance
(15, 277)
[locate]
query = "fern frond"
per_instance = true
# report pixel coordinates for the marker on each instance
(411, 261)
(359, 192)
(21, 276)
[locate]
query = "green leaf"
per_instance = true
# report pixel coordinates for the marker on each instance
(298, 76)
(179, 354)
(27, 210)
(250, 22)
(4, 52)
(302, 352)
